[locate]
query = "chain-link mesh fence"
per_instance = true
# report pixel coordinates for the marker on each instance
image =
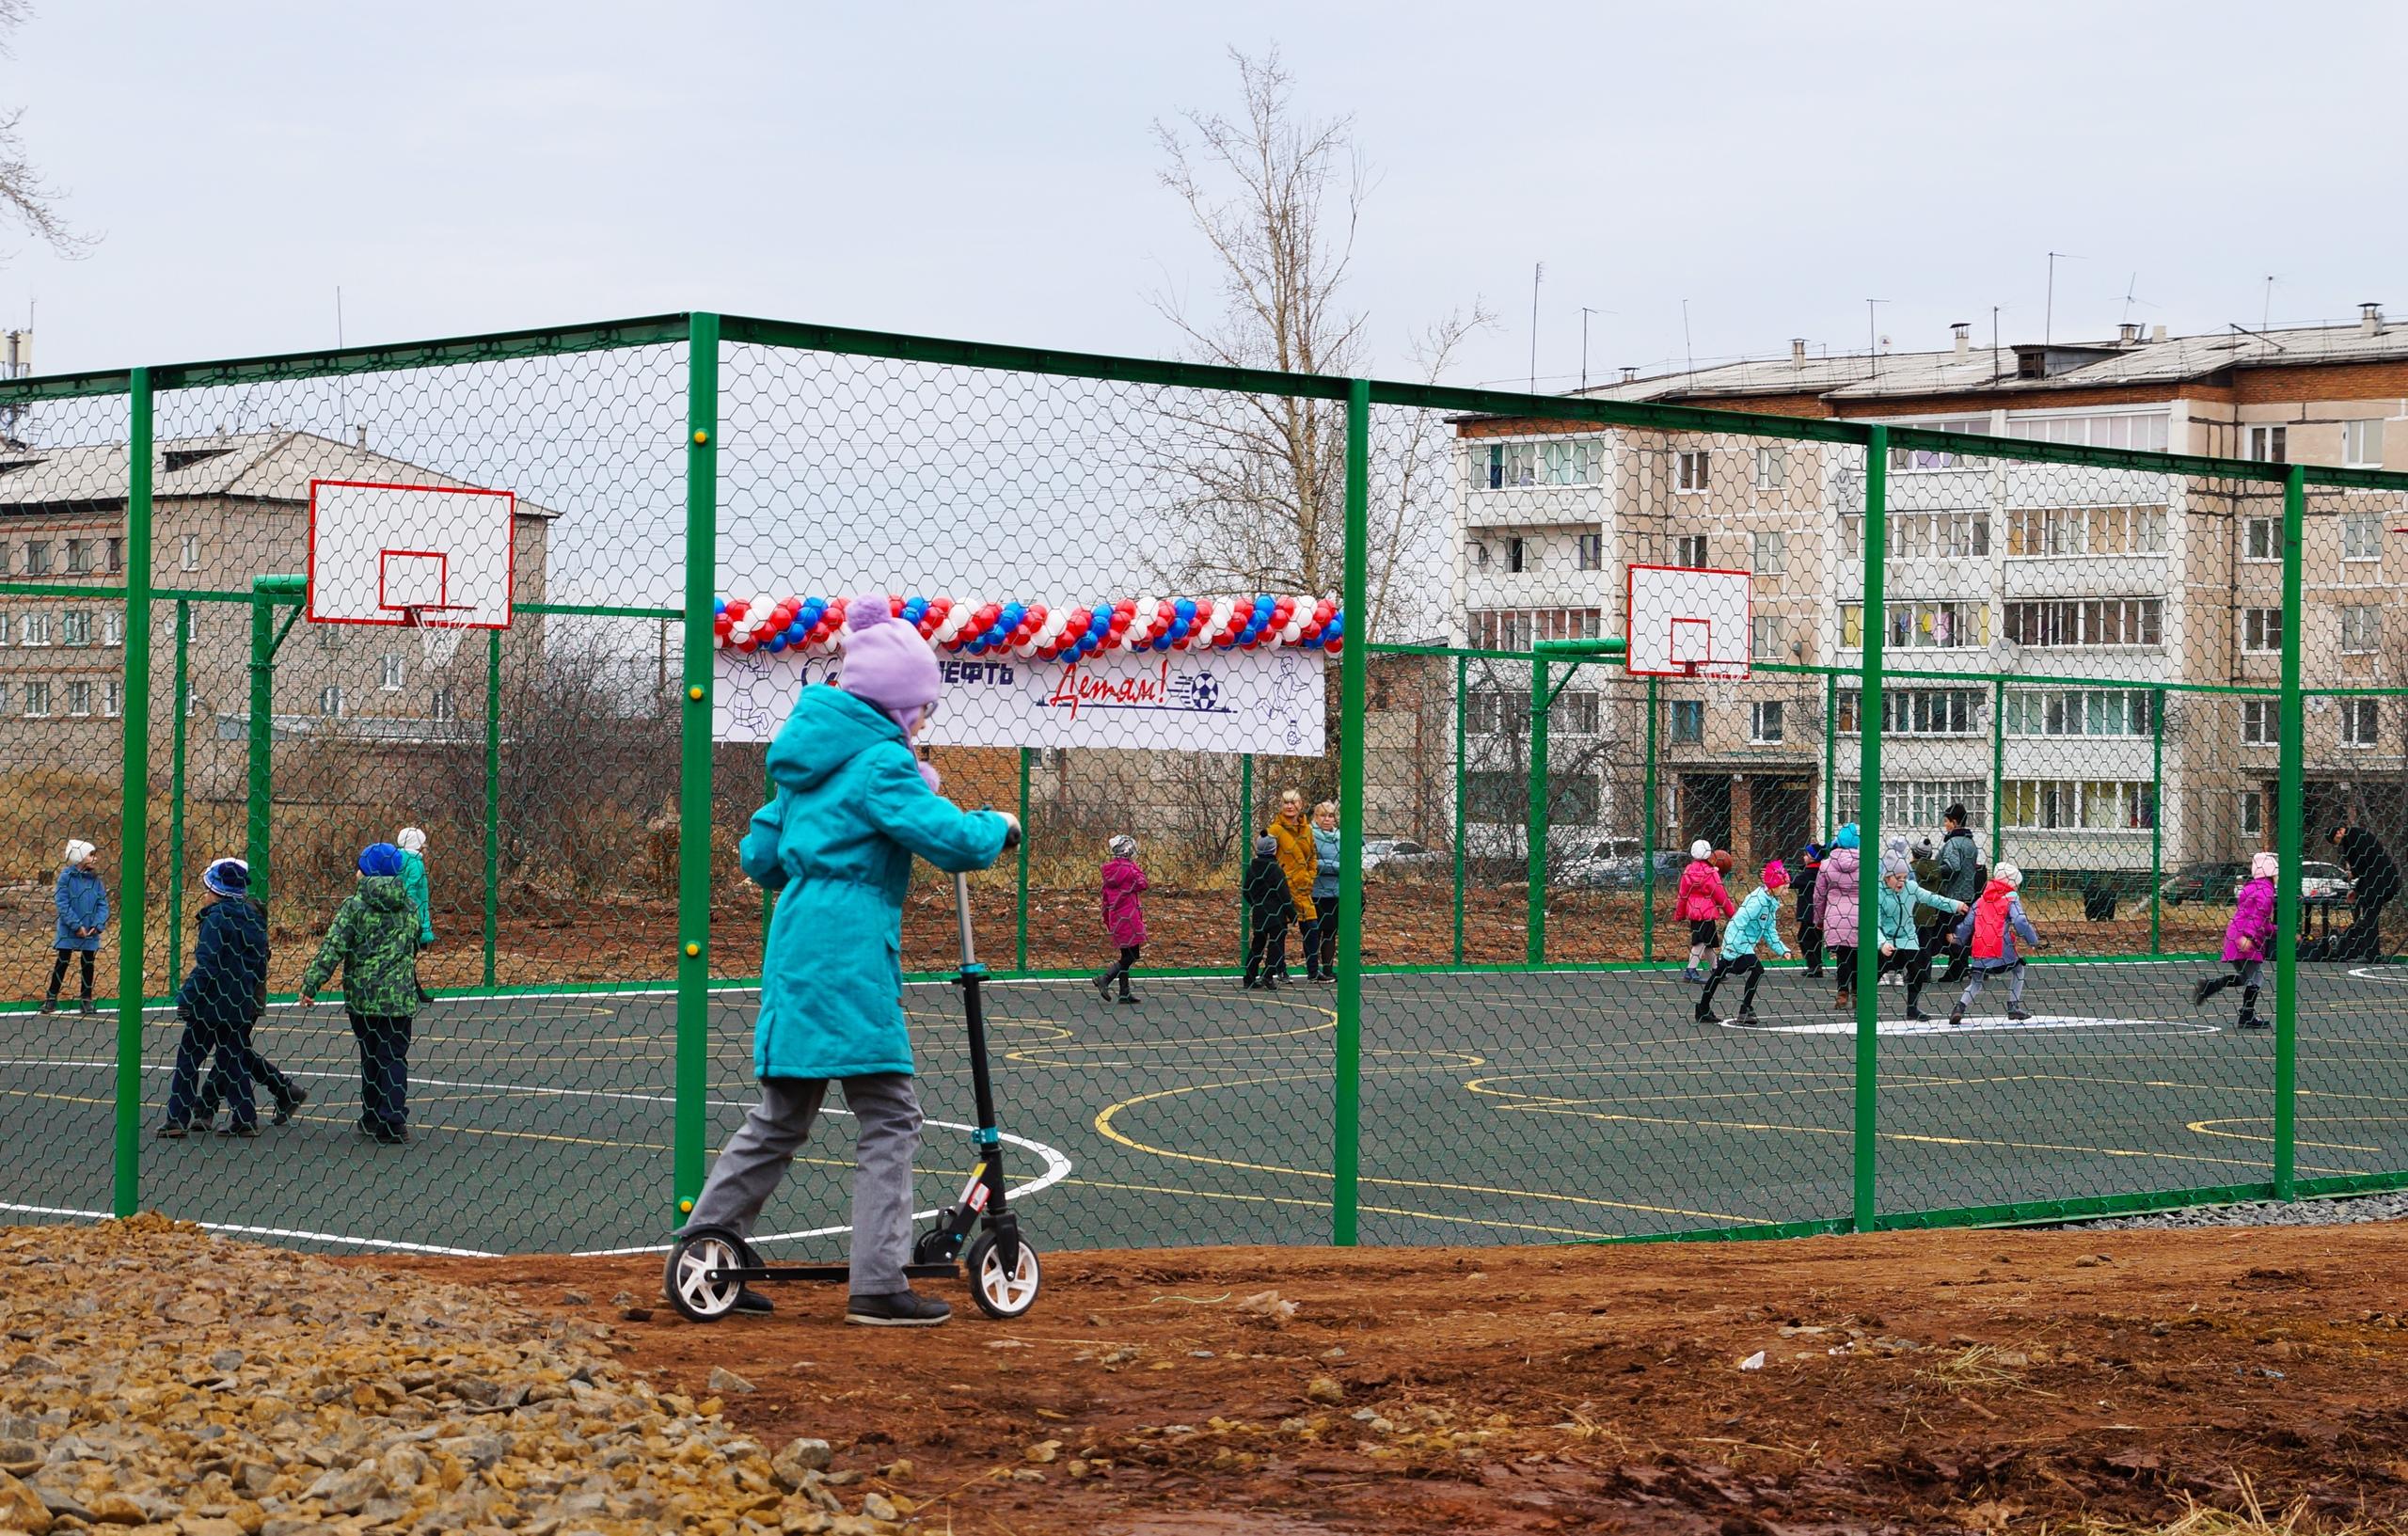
(1600, 635)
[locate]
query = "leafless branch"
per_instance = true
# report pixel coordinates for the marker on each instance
(25, 197)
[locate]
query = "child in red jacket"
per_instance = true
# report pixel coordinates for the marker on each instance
(1702, 902)
(1124, 916)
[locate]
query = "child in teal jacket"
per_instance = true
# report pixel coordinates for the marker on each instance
(1901, 942)
(853, 806)
(1755, 923)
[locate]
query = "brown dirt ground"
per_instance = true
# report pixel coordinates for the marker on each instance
(1931, 1382)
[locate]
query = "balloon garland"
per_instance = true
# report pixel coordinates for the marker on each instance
(1032, 631)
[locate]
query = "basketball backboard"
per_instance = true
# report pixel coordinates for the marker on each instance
(436, 557)
(1688, 623)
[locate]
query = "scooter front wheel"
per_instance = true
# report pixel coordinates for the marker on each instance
(688, 1281)
(1000, 1292)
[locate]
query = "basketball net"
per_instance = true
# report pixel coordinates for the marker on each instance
(438, 642)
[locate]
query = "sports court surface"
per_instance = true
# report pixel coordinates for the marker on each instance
(1524, 1106)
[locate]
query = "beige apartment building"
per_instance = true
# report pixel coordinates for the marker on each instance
(2082, 586)
(226, 509)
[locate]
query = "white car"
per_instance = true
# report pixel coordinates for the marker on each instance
(2318, 881)
(1403, 856)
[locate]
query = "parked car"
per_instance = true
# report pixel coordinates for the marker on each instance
(1403, 856)
(2205, 881)
(1626, 874)
(2318, 881)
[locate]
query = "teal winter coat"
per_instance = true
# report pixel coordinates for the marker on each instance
(1753, 923)
(1897, 913)
(837, 843)
(413, 882)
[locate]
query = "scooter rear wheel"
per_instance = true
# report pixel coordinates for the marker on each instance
(998, 1292)
(687, 1280)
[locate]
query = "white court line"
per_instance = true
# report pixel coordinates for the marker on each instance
(1990, 1023)
(1057, 1164)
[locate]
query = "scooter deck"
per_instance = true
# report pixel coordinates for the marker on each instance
(822, 1273)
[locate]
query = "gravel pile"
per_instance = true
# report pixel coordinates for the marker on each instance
(159, 1381)
(2393, 1207)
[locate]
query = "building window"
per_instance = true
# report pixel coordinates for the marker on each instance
(2361, 536)
(1572, 462)
(190, 547)
(1518, 630)
(1591, 551)
(75, 628)
(2253, 814)
(37, 629)
(1918, 802)
(2361, 628)
(1478, 553)
(1919, 460)
(1502, 797)
(330, 703)
(1768, 637)
(1764, 722)
(444, 709)
(1690, 551)
(1690, 469)
(1772, 468)
(1938, 535)
(2087, 622)
(2144, 431)
(38, 700)
(112, 698)
(2362, 444)
(2259, 720)
(2094, 805)
(79, 698)
(2036, 532)
(117, 555)
(1517, 556)
(2270, 445)
(37, 558)
(2259, 539)
(1507, 465)
(79, 557)
(1689, 721)
(388, 672)
(1936, 627)
(4, 698)
(8, 628)
(112, 628)
(1574, 713)
(1915, 711)
(2078, 711)
(2261, 629)
(1769, 554)
(2361, 721)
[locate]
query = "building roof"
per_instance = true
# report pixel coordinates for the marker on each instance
(276, 466)
(2072, 365)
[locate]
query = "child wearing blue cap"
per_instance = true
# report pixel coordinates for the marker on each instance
(373, 940)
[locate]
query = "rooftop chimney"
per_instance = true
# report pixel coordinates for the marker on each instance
(1963, 331)
(359, 435)
(1628, 373)
(2128, 333)
(2157, 333)
(1797, 351)
(2370, 318)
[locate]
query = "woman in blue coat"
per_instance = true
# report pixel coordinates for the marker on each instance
(83, 912)
(853, 807)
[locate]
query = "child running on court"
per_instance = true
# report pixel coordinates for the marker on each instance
(1273, 907)
(1902, 944)
(1124, 916)
(1755, 922)
(853, 806)
(1991, 929)
(1702, 902)
(2248, 941)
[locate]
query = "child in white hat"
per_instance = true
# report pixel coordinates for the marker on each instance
(83, 912)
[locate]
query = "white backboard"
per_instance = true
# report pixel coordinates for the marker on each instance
(1688, 623)
(440, 556)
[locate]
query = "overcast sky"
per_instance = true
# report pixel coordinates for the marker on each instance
(988, 171)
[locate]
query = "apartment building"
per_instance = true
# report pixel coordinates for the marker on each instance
(225, 509)
(2084, 586)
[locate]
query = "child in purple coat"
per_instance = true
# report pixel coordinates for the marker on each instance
(1124, 916)
(2248, 942)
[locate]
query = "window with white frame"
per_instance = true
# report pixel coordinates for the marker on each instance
(2144, 431)
(2260, 539)
(1572, 463)
(1690, 469)
(1589, 551)
(2035, 532)
(1921, 625)
(1768, 637)
(1768, 553)
(1917, 802)
(37, 557)
(2077, 711)
(1506, 466)
(2361, 536)
(2261, 629)
(1576, 712)
(1518, 630)
(2361, 723)
(1493, 712)
(2252, 819)
(1772, 467)
(1689, 550)
(2362, 443)
(112, 628)
(2260, 721)
(445, 709)
(2270, 445)
(388, 672)
(1914, 711)
(37, 629)
(38, 700)
(2086, 623)
(1517, 555)
(75, 628)
(1687, 722)
(2093, 805)
(7, 628)
(330, 703)
(1919, 460)
(1852, 533)
(2361, 628)
(79, 557)
(1938, 535)
(4, 698)
(79, 697)
(117, 555)
(1764, 722)
(112, 698)
(189, 551)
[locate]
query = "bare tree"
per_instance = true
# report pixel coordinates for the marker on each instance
(1260, 498)
(23, 195)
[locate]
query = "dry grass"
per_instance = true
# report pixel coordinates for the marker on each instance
(1980, 1367)
(2253, 1518)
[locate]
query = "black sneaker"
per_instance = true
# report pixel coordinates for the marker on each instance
(1128, 997)
(901, 1310)
(238, 1127)
(1745, 1015)
(1957, 1014)
(1704, 1015)
(1918, 1015)
(284, 1112)
(2204, 991)
(2018, 1015)
(385, 1136)
(88, 1010)
(1103, 985)
(50, 1006)
(2251, 1020)
(173, 1132)
(751, 1301)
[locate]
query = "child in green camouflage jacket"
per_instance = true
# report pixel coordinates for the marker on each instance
(375, 941)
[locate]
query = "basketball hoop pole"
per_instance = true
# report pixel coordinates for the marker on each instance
(266, 592)
(1575, 653)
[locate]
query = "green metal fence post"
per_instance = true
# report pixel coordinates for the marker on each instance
(260, 790)
(176, 795)
(134, 817)
(2157, 824)
(1019, 899)
(1347, 1118)
(1998, 767)
(493, 799)
(1463, 676)
(2290, 834)
(1831, 754)
(1246, 841)
(1647, 838)
(1868, 818)
(694, 767)
(1535, 821)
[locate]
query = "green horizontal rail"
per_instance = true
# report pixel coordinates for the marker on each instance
(56, 589)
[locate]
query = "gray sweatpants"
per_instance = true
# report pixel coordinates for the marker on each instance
(1982, 978)
(756, 1156)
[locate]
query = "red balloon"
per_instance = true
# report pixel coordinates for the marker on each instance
(1337, 643)
(736, 610)
(1119, 622)
(1166, 611)
(1242, 611)
(940, 606)
(1082, 620)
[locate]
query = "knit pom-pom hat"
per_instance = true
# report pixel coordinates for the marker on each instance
(1701, 850)
(2265, 866)
(1775, 875)
(886, 662)
(2010, 875)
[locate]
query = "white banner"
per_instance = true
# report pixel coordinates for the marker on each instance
(1267, 702)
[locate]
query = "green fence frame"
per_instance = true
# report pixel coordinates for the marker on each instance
(705, 334)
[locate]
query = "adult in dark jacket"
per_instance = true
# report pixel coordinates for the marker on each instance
(230, 878)
(82, 911)
(217, 1001)
(1960, 881)
(1271, 904)
(2375, 880)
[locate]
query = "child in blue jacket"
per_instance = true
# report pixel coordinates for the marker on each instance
(1755, 923)
(853, 807)
(82, 911)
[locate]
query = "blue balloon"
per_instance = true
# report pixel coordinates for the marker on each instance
(719, 605)
(1184, 608)
(914, 610)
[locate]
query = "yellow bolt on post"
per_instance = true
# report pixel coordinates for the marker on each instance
(695, 693)
(692, 950)
(701, 436)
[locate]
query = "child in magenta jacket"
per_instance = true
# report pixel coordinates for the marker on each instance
(1701, 902)
(1124, 915)
(2248, 942)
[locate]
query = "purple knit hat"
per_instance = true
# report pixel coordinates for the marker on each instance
(886, 662)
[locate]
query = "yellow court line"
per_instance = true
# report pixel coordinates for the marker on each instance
(1323, 1205)
(1103, 1127)
(2207, 1128)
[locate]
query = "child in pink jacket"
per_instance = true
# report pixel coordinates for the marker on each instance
(1124, 916)
(2248, 942)
(1702, 902)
